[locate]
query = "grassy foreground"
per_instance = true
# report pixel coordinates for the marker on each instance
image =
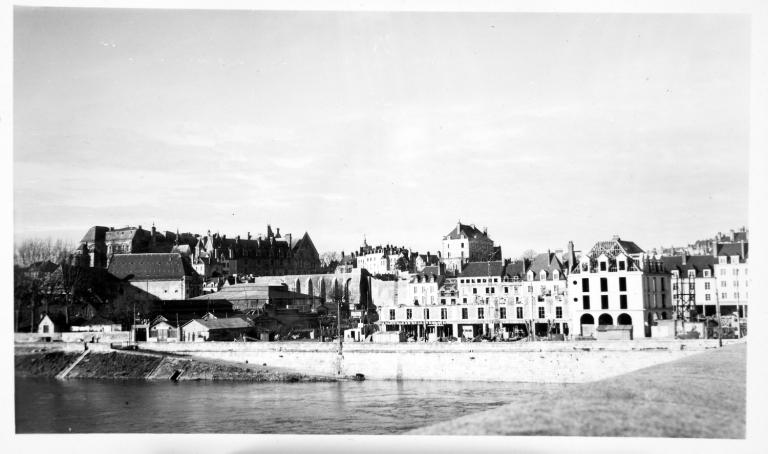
(701, 396)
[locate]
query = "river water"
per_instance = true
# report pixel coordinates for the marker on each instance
(368, 407)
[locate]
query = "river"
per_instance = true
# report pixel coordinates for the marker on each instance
(368, 407)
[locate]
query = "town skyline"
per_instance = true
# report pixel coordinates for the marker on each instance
(391, 126)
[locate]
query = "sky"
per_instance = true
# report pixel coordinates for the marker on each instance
(544, 128)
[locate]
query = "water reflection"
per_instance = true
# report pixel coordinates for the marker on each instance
(369, 407)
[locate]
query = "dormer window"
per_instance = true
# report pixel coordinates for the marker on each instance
(585, 266)
(675, 273)
(691, 274)
(543, 276)
(707, 273)
(622, 265)
(603, 266)
(530, 275)
(555, 275)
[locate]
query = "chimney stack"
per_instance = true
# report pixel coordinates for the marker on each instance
(249, 235)
(742, 249)
(685, 258)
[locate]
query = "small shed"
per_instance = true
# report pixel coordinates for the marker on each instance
(46, 325)
(219, 329)
(161, 330)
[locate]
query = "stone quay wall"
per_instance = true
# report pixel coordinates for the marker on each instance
(549, 362)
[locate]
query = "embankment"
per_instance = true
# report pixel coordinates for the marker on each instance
(104, 364)
(548, 362)
(701, 396)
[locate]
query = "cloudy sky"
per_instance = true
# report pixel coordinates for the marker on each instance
(543, 127)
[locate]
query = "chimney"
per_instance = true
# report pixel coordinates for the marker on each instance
(277, 235)
(742, 249)
(342, 254)
(485, 230)
(685, 258)
(733, 235)
(714, 248)
(249, 235)
(615, 238)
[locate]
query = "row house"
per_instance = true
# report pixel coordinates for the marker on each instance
(382, 259)
(731, 272)
(693, 285)
(486, 298)
(616, 283)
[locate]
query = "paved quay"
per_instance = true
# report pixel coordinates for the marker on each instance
(699, 396)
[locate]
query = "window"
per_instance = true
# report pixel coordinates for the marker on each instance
(622, 265)
(558, 312)
(464, 313)
(622, 301)
(735, 283)
(443, 314)
(691, 274)
(408, 314)
(735, 271)
(426, 314)
(723, 295)
(674, 286)
(487, 290)
(736, 295)
(723, 283)
(604, 301)
(506, 289)
(493, 289)
(442, 300)
(707, 273)
(474, 290)
(585, 302)
(519, 312)
(530, 289)
(602, 266)
(464, 300)
(453, 300)
(707, 297)
(603, 284)
(706, 286)
(722, 271)
(391, 314)
(502, 312)
(622, 284)
(541, 312)
(480, 313)
(585, 285)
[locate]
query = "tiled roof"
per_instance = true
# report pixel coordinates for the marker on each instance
(733, 249)
(480, 269)
(224, 323)
(515, 269)
(630, 247)
(547, 261)
(94, 233)
(697, 263)
(150, 266)
(468, 230)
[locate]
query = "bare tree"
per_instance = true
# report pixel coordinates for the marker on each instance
(330, 259)
(34, 250)
(529, 254)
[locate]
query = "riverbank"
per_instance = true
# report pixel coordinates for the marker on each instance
(533, 362)
(49, 362)
(700, 396)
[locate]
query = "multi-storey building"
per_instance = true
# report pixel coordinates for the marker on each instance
(382, 259)
(156, 276)
(731, 273)
(693, 285)
(466, 243)
(486, 298)
(616, 283)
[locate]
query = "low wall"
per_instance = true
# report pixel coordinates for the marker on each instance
(76, 337)
(550, 362)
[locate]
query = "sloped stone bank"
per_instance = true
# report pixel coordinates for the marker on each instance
(42, 364)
